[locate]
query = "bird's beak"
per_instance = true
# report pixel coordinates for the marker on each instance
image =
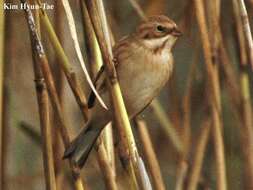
(177, 33)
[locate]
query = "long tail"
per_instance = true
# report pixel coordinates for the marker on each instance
(79, 149)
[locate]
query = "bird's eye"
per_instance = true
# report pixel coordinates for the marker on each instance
(160, 28)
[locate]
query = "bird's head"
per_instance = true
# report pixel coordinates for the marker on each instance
(158, 32)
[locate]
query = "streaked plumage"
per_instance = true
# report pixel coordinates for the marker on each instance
(144, 63)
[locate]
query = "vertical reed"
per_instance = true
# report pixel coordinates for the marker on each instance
(97, 14)
(246, 30)
(65, 65)
(244, 43)
(213, 86)
(42, 60)
(150, 155)
(105, 151)
(106, 168)
(57, 146)
(194, 176)
(43, 104)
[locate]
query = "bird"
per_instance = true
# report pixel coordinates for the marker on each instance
(144, 63)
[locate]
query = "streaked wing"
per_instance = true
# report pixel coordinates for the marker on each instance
(100, 82)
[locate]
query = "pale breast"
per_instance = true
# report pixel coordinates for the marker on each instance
(141, 75)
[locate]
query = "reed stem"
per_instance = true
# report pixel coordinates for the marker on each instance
(46, 71)
(246, 30)
(104, 145)
(245, 109)
(213, 84)
(43, 104)
(65, 65)
(150, 155)
(97, 15)
(59, 77)
(198, 159)
(108, 173)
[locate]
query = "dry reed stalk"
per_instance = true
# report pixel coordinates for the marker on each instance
(247, 133)
(181, 175)
(150, 155)
(246, 29)
(167, 126)
(59, 29)
(108, 173)
(43, 104)
(198, 159)
(2, 30)
(95, 60)
(186, 132)
(105, 153)
(58, 76)
(213, 85)
(231, 78)
(214, 19)
(93, 52)
(42, 60)
(219, 52)
(97, 15)
(109, 145)
(187, 105)
(65, 65)
(246, 109)
(144, 178)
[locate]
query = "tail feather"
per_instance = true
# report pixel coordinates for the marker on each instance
(79, 149)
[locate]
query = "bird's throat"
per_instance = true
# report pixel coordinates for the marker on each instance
(156, 44)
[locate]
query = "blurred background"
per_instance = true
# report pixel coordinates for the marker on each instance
(186, 100)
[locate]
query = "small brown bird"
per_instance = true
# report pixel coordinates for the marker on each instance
(144, 63)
